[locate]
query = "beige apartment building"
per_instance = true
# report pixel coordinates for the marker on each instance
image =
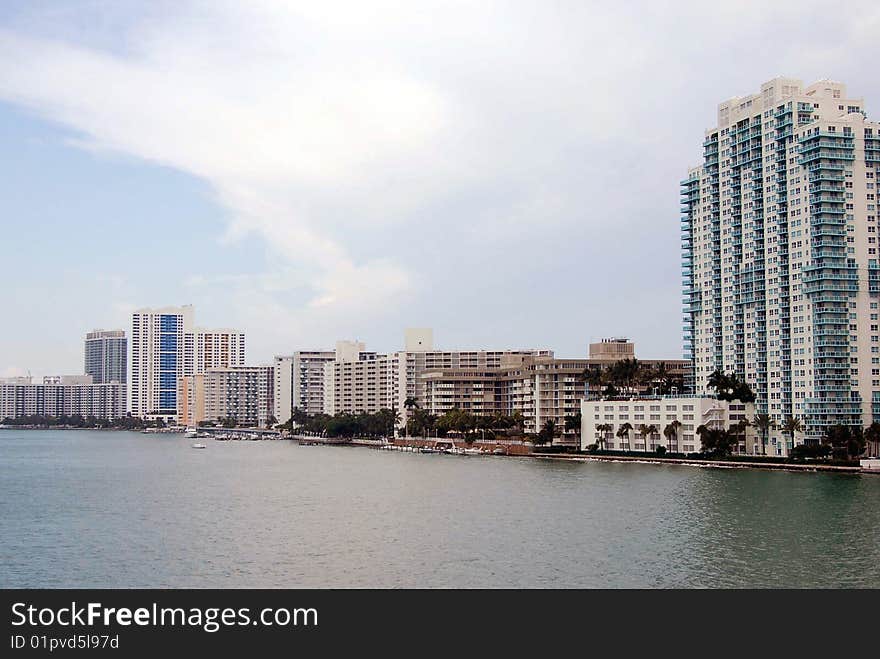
(780, 264)
(540, 387)
(245, 393)
(358, 381)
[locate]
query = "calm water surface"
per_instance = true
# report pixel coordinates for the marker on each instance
(113, 509)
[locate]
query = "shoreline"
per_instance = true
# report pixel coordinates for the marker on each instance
(717, 464)
(570, 457)
(577, 457)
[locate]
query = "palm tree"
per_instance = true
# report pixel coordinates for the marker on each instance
(671, 433)
(763, 422)
(872, 434)
(624, 431)
(594, 376)
(791, 426)
(603, 428)
(573, 424)
(646, 432)
(409, 404)
(739, 428)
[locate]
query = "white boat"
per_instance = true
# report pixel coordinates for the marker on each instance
(199, 446)
(191, 432)
(472, 451)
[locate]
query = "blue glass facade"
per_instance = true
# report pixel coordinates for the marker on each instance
(168, 362)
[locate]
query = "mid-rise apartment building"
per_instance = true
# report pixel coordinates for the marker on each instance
(57, 396)
(243, 393)
(780, 264)
(359, 382)
(539, 386)
(299, 382)
(106, 356)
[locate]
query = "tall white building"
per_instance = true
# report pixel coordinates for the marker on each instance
(780, 265)
(166, 346)
(299, 382)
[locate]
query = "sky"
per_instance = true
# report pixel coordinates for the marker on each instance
(504, 172)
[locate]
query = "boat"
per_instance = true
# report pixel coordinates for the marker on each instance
(498, 451)
(472, 451)
(199, 446)
(191, 432)
(428, 449)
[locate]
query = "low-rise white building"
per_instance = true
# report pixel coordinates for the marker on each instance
(63, 396)
(601, 420)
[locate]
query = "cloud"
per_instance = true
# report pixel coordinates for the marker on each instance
(378, 150)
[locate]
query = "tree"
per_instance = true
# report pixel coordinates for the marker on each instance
(646, 432)
(671, 433)
(791, 426)
(667, 380)
(604, 430)
(730, 387)
(847, 442)
(739, 430)
(548, 432)
(872, 435)
(410, 404)
(716, 441)
(763, 422)
(623, 432)
(573, 423)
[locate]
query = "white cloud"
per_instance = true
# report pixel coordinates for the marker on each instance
(377, 148)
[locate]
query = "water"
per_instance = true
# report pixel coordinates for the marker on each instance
(113, 509)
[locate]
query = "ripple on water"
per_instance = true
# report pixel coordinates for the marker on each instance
(110, 509)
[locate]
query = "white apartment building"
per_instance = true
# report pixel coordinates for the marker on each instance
(660, 412)
(63, 396)
(166, 346)
(780, 262)
(158, 358)
(299, 382)
(361, 384)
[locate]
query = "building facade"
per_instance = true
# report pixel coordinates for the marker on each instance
(106, 356)
(64, 396)
(601, 420)
(365, 384)
(299, 382)
(540, 387)
(243, 393)
(166, 346)
(780, 264)
(159, 356)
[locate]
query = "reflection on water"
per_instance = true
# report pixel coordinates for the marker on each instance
(107, 509)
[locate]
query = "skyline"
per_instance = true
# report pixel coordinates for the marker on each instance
(430, 189)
